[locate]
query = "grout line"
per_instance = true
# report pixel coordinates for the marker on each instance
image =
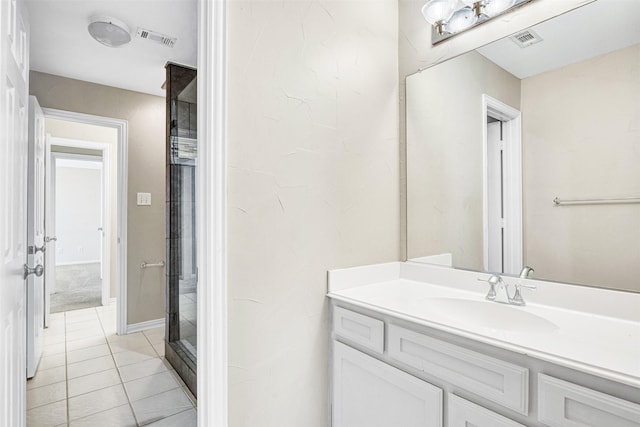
(135, 418)
(96, 413)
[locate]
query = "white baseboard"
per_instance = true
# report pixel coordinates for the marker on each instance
(142, 326)
(77, 263)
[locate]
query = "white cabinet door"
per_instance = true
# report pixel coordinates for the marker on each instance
(14, 69)
(462, 413)
(370, 393)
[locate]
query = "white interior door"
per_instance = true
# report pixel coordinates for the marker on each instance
(50, 227)
(494, 219)
(35, 235)
(14, 69)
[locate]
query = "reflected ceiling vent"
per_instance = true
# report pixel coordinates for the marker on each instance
(159, 38)
(526, 38)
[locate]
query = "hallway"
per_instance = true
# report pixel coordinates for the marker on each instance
(89, 376)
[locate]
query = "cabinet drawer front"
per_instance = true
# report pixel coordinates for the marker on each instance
(360, 329)
(370, 393)
(493, 379)
(462, 413)
(563, 404)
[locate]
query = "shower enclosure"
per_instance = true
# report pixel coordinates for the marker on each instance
(182, 269)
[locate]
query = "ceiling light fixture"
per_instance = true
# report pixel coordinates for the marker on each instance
(109, 31)
(449, 17)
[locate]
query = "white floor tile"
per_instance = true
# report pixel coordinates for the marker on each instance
(78, 326)
(93, 382)
(52, 414)
(51, 349)
(83, 348)
(87, 353)
(159, 348)
(143, 369)
(47, 376)
(134, 356)
(84, 318)
(86, 342)
(177, 378)
(160, 406)
(49, 339)
(122, 416)
(46, 394)
(191, 397)
(91, 366)
(119, 344)
(53, 361)
(154, 333)
(188, 418)
(85, 333)
(96, 401)
(150, 386)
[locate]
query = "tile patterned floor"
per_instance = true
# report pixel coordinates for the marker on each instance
(89, 376)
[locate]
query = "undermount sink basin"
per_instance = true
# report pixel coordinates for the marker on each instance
(488, 314)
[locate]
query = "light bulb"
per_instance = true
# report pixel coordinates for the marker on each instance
(438, 11)
(461, 20)
(495, 7)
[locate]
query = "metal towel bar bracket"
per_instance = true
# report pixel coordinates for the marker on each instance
(148, 265)
(625, 200)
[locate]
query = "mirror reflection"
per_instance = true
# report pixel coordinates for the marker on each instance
(496, 135)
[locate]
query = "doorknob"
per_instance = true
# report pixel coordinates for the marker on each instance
(50, 239)
(38, 270)
(99, 228)
(34, 249)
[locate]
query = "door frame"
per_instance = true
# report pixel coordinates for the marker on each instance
(211, 215)
(512, 189)
(105, 180)
(122, 156)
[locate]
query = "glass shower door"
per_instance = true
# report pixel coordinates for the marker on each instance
(181, 317)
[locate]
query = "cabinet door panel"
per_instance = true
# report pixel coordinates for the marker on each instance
(370, 393)
(494, 379)
(462, 413)
(563, 404)
(359, 328)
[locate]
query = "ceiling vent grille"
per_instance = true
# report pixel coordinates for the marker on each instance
(156, 37)
(526, 38)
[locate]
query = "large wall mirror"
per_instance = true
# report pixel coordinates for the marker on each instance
(527, 152)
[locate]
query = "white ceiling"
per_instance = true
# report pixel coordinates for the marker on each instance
(592, 30)
(61, 44)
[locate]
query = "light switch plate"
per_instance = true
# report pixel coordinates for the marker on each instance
(144, 199)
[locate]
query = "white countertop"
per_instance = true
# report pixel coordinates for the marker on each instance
(594, 330)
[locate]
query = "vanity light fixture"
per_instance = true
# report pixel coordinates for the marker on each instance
(109, 31)
(449, 17)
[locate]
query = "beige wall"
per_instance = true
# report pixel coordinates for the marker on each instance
(415, 53)
(581, 140)
(444, 166)
(313, 186)
(146, 224)
(86, 132)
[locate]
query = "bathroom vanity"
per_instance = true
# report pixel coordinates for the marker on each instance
(419, 345)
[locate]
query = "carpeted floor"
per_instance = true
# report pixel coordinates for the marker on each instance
(78, 286)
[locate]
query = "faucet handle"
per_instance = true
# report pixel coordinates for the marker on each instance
(517, 296)
(492, 281)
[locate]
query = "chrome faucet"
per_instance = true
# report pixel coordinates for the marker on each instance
(499, 290)
(526, 272)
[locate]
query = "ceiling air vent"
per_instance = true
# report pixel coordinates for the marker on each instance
(526, 38)
(156, 37)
